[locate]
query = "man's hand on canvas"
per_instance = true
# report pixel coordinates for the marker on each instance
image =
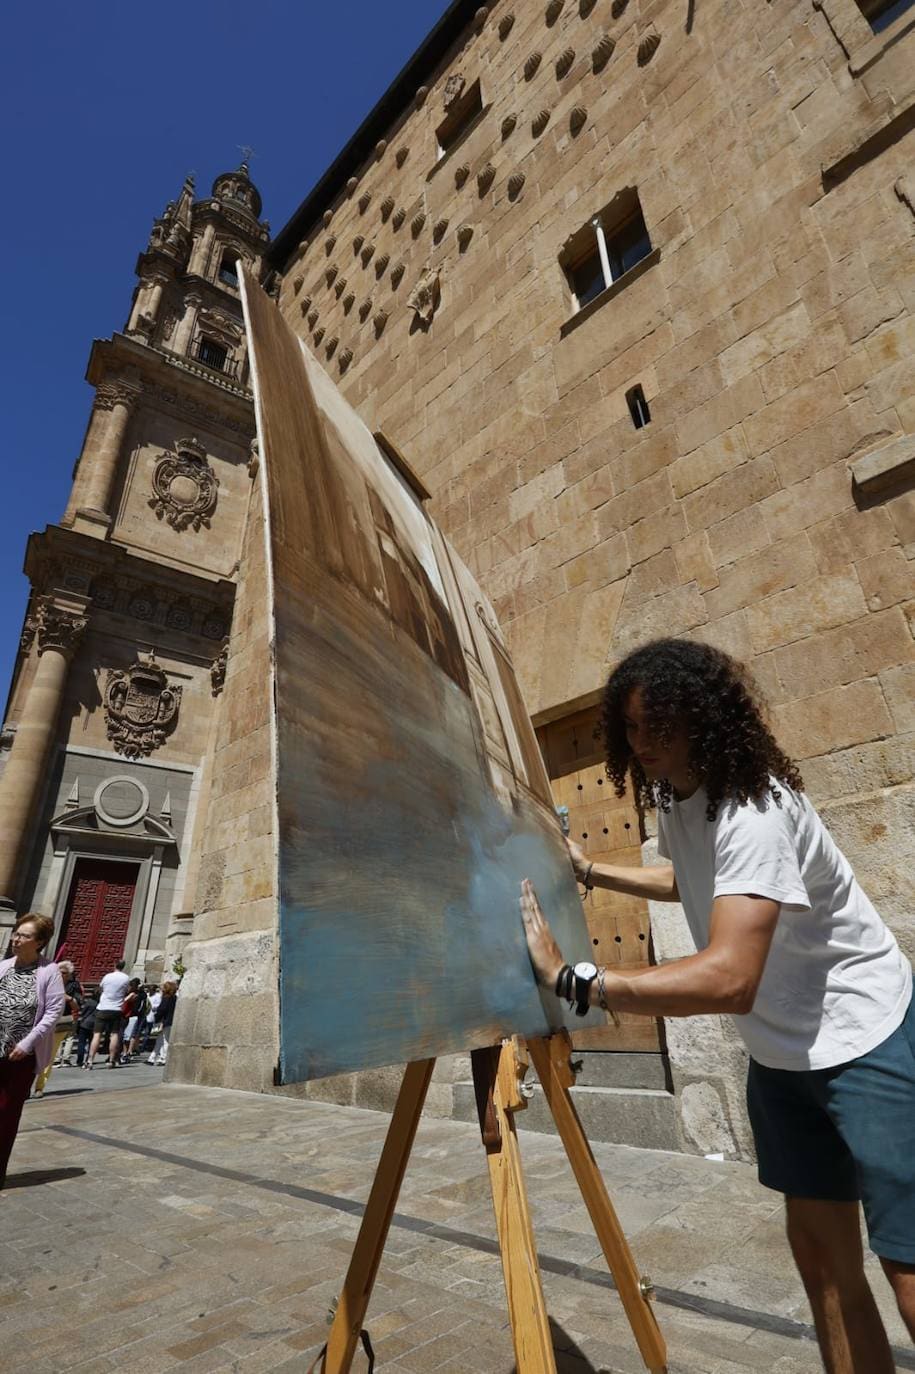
(546, 956)
(579, 859)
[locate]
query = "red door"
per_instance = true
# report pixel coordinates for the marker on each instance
(98, 915)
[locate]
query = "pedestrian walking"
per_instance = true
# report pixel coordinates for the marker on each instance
(165, 1013)
(31, 1000)
(63, 1031)
(112, 991)
(84, 1028)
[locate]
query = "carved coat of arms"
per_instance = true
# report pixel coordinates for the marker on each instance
(140, 708)
(184, 487)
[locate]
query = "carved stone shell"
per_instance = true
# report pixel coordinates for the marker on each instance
(401, 155)
(647, 48)
(330, 275)
(397, 272)
(461, 174)
(367, 252)
(365, 201)
(508, 125)
(365, 309)
(564, 63)
(380, 147)
(479, 19)
(331, 346)
(506, 24)
(438, 230)
(380, 320)
(340, 287)
(387, 205)
(352, 184)
(358, 241)
(328, 216)
(464, 235)
(585, 7)
(485, 178)
(297, 284)
(381, 264)
(531, 65)
(416, 224)
(312, 319)
(539, 122)
(602, 52)
(318, 336)
(554, 10)
(515, 183)
(346, 357)
(305, 305)
(349, 300)
(420, 97)
(329, 244)
(398, 217)
(618, 7)
(577, 118)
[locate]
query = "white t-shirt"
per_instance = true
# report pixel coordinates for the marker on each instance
(112, 990)
(836, 983)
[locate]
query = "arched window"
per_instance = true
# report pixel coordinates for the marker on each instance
(227, 269)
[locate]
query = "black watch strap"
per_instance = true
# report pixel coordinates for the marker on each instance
(582, 991)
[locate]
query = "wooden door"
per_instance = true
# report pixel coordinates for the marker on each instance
(607, 828)
(98, 916)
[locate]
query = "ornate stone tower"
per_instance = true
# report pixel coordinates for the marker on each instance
(117, 682)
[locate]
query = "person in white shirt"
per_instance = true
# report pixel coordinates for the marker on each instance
(788, 944)
(112, 991)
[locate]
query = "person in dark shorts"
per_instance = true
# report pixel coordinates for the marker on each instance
(790, 945)
(108, 1015)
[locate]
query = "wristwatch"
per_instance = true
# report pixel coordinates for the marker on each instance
(584, 975)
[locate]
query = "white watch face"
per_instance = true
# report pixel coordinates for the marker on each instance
(586, 970)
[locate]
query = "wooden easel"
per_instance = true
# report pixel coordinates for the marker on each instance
(498, 1074)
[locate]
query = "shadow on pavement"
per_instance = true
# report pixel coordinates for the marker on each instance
(60, 1092)
(570, 1358)
(34, 1177)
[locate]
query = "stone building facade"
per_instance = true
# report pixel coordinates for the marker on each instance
(107, 731)
(632, 286)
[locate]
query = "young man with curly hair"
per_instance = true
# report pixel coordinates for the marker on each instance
(791, 947)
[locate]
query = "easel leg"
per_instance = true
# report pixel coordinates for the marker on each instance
(551, 1060)
(376, 1220)
(496, 1082)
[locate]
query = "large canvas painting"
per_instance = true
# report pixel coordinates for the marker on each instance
(411, 796)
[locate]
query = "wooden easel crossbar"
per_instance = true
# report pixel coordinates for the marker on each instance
(498, 1074)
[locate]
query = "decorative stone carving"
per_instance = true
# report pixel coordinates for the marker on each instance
(648, 46)
(305, 305)
(461, 175)
(312, 319)
(397, 275)
(553, 11)
(398, 217)
(340, 287)
(401, 156)
(330, 275)
(58, 628)
(381, 265)
(142, 605)
(539, 122)
(111, 394)
(297, 284)
(140, 708)
(346, 357)
(380, 320)
(618, 7)
(454, 89)
(358, 241)
(349, 300)
(365, 201)
(380, 147)
(387, 205)
(485, 178)
(367, 252)
(420, 97)
(184, 487)
(318, 336)
(515, 185)
(351, 185)
(179, 617)
(531, 65)
(104, 595)
(585, 7)
(564, 63)
(365, 309)
(438, 230)
(904, 187)
(464, 235)
(328, 216)
(577, 118)
(218, 669)
(416, 224)
(508, 125)
(479, 19)
(602, 52)
(506, 24)
(215, 627)
(424, 298)
(332, 346)
(330, 243)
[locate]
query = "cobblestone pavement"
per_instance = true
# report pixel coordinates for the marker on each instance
(169, 1227)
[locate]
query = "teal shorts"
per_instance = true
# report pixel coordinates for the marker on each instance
(845, 1134)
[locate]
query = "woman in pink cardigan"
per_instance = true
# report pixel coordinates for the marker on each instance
(31, 1000)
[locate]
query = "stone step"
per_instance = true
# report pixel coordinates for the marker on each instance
(645, 1117)
(615, 1069)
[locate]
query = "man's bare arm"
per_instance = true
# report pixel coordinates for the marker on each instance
(655, 884)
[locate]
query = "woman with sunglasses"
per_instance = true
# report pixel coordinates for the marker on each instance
(31, 1000)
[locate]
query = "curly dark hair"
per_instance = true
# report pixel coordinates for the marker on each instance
(731, 749)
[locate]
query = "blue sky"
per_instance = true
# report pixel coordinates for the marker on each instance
(107, 106)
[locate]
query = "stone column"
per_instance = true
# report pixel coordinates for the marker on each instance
(88, 508)
(146, 307)
(60, 622)
(185, 330)
(200, 253)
